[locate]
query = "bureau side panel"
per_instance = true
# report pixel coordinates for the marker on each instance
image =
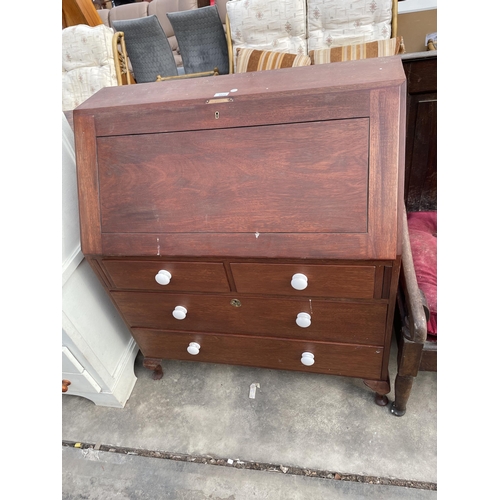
(88, 184)
(386, 168)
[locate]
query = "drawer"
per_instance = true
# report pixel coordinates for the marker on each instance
(335, 359)
(330, 321)
(185, 276)
(320, 280)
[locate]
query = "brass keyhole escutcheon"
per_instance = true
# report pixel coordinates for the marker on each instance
(217, 115)
(235, 303)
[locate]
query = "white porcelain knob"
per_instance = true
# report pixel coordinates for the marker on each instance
(307, 358)
(299, 281)
(179, 312)
(194, 348)
(163, 277)
(303, 320)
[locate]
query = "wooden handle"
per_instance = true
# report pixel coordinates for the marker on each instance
(65, 384)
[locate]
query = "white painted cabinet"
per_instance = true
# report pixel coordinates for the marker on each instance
(98, 352)
(75, 374)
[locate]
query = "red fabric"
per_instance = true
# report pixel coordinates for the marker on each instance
(422, 227)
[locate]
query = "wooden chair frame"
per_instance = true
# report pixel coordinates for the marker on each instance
(415, 352)
(123, 73)
(214, 72)
(120, 56)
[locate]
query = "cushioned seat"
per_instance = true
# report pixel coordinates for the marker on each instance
(422, 228)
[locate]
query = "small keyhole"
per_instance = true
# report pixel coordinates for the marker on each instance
(216, 115)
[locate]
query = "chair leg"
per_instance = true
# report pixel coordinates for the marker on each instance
(402, 389)
(409, 356)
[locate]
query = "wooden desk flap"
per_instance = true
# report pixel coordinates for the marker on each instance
(306, 166)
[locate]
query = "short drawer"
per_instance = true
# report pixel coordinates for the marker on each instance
(184, 276)
(320, 280)
(360, 323)
(335, 359)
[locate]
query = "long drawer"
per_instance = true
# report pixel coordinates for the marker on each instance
(263, 352)
(360, 323)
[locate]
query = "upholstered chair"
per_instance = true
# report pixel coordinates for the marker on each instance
(148, 49)
(201, 38)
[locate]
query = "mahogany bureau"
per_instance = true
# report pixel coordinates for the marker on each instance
(251, 219)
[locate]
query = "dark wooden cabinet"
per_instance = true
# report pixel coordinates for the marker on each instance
(421, 137)
(251, 220)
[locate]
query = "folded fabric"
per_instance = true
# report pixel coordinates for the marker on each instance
(259, 60)
(379, 48)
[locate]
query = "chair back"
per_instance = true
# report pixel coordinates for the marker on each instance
(201, 38)
(148, 48)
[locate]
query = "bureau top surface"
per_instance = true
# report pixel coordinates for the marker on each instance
(299, 163)
(350, 74)
(241, 99)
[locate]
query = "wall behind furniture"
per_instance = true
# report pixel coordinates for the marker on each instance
(416, 5)
(416, 18)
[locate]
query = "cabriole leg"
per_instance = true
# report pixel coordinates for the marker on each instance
(381, 388)
(154, 364)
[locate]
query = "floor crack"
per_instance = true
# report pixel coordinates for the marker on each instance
(262, 466)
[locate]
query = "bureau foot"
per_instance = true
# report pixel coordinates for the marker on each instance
(154, 364)
(381, 400)
(381, 388)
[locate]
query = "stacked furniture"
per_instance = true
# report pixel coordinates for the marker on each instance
(252, 220)
(141, 41)
(311, 28)
(158, 8)
(316, 31)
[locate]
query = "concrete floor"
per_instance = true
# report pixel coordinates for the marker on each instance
(308, 436)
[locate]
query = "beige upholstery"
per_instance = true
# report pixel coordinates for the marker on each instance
(331, 23)
(221, 7)
(104, 15)
(128, 11)
(299, 26)
(87, 63)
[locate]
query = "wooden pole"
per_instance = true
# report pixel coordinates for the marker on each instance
(79, 12)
